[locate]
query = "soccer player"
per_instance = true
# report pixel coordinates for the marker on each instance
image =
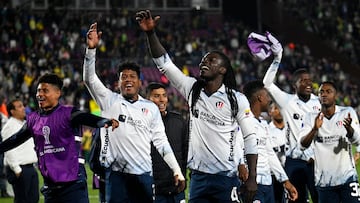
(293, 107)
(278, 142)
(55, 129)
(20, 161)
(216, 112)
(268, 163)
(176, 129)
(331, 134)
(126, 151)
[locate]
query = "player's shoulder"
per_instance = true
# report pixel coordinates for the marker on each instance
(345, 108)
(148, 103)
(314, 97)
(239, 95)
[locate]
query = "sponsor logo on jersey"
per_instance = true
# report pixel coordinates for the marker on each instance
(296, 116)
(122, 118)
(219, 104)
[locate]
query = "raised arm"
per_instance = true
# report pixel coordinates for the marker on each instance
(277, 94)
(277, 50)
(147, 24)
(162, 60)
(96, 88)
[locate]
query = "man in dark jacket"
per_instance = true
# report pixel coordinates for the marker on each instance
(177, 133)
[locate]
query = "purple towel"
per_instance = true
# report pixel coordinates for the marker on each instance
(259, 46)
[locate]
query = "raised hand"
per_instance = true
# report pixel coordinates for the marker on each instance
(93, 36)
(319, 120)
(276, 47)
(347, 125)
(146, 22)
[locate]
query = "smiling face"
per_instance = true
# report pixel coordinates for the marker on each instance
(211, 66)
(303, 85)
(159, 97)
(130, 84)
(47, 96)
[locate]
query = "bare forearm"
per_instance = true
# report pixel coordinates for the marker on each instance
(156, 48)
(306, 141)
(252, 162)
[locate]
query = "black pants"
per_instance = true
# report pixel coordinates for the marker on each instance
(26, 186)
(70, 192)
(301, 175)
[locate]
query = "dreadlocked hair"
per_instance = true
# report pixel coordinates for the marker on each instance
(228, 80)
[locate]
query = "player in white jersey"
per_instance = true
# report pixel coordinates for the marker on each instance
(331, 134)
(293, 107)
(277, 132)
(278, 142)
(268, 163)
(126, 151)
(217, 110)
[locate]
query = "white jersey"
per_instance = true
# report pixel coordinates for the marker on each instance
(278, 141)
(213, 129)
(267, 163)
(127, 148)
(334, 163)
(293, 111)
(22, 154)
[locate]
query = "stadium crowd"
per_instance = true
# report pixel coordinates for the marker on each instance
(36, 42)
(337, 22)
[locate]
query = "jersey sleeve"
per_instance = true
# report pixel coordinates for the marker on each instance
(245, 119)
(97, 89)
(275, 164)
(11, 156)
(159, 137)
(177, 78)
(280, 97)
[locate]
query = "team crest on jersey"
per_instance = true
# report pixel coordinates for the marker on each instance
(219, 104)
(339, 123)
(145, 111)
